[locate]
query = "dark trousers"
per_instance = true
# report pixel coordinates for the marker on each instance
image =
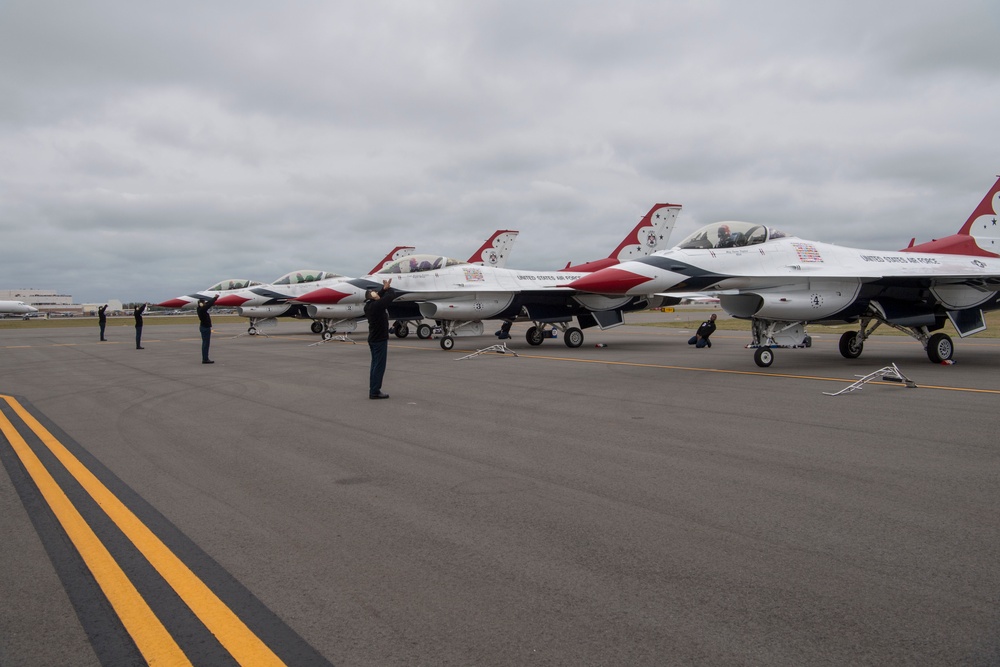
(703, 342)
(103, 324)
(206, 339)
(380, 350)
(138, 337)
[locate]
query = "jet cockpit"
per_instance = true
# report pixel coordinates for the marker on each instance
(419, 263)
(729, 234)
(304, 276)
(231, 284)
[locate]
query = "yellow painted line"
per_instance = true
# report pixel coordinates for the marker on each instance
(245, 647)
(151, 638)
(790, 376)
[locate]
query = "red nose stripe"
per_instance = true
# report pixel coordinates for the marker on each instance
(323, 295)
(230, 300)
(609, 281)
(173, 303)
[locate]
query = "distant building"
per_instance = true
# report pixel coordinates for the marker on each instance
(114, 307)
(46, 301)
(36, 297)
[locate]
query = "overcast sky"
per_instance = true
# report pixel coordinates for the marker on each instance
(151, 149)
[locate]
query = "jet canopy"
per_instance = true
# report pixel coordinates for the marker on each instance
(419, 263)
(729, 234)
(304, 276)
(232, 283)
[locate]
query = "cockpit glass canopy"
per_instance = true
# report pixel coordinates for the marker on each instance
(304, 276)
(729, 234)
(419, 263)
(231, 284)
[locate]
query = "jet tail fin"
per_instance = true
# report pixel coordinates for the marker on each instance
(394, 254)
(651, 234)
(496, 249)
(980, 235)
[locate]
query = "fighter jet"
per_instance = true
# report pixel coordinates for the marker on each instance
(781, 283)
(343, 318)
(262, 302)
(190, 301)
(459, 296)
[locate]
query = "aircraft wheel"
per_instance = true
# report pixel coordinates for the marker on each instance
(573, 337)
(763, 357)
(327, 335)
(850, 346)
(940, 348)
(317, 327)
(447, 342)
(534, 336)
(424, 331)
(808, 341)
(401, 330)
(252, 331)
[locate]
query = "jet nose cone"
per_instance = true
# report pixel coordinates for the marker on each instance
(323, 295)
(173, 303)
(230, 300)
(609, 281)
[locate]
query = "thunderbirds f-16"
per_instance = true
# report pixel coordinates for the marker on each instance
(782, 283)
(343, 318)
(459, 296)
(260, 302)
(264, 302)
(191, 300)
(17, 308)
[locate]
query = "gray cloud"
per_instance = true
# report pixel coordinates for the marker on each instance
(148, 150)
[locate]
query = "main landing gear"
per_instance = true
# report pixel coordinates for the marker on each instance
(939, 346)
(770, 334)
(536, 335)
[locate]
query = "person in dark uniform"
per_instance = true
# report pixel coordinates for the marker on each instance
(504, 332)
(700, 337)
(205, 326)
(139, 310)
(376, 310)
(102, 319)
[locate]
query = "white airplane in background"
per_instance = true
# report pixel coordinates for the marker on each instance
(459, 296)
(17, 308)
(344, 318)
(781, 283)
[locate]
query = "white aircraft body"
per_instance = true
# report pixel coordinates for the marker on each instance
(189, 301)
(782, 283)
(260, 302)
(459, 296)
(343, 318)
(17, 308)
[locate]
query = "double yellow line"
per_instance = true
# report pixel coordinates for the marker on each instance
(153, 640)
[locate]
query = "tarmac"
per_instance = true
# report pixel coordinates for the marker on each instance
(643, 503)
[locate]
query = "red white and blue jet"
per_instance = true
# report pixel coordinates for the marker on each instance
(781, 283)
(458, 296)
